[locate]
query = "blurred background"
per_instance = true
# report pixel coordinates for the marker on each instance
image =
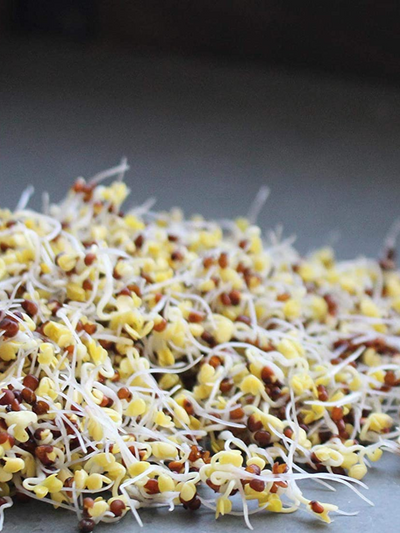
(209, 100)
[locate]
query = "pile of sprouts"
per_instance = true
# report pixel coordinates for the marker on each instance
(153, 360)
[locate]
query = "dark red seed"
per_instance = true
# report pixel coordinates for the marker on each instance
(79, 185)
(243, 318)
(194, 454)
(338, 470)
(139, 241)
(115, 274)
(237, 413)
(29, 307)
(40, 407)
(3, 501)
(208, 338)
(225, 385)
(7, 397)
(337, 414)
(9, 326)
(29, 445)
(253, 469)
(206, 456)
(235, 297)
(148, 279)
(257, 485)
(212, 486)
(106, 402)
(279, 468)
(15, 406)
(223, 260)
(390, 378)
(341, 425)
(288, 432)
(89, 259)
(6, 437)
(208, 262)
(267, 375)
(215, 361)
(70, 349)
(124, 292)
(194, 504)
(86, 525)
(253, 424)
(117, 507)
(323, 395)
(224, 297)
(152, 486)
(240, 268)
(177, 256)
(196, 317)
(134, 288)
(124, 393)
(42, 452)
(39, 329)
(316, 507)
(30, 381)
(88, 190)
(28, 396)
(116, 376)
(87, 285)
(263, 438)
(283, 297)
(88, 503)
(157, 296)
(38, 433)
(188, 406)
(175, 466)
(68, 483)
(90, 328)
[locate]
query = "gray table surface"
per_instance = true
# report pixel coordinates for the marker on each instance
(383, 480)
(206, 135)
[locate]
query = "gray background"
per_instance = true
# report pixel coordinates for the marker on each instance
(206, 134)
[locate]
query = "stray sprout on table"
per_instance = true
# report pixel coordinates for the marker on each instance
(150, 360)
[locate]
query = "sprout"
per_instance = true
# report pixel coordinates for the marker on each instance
(154, 356)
